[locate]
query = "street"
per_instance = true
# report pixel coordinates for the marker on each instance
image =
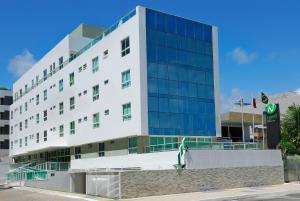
(283, 192)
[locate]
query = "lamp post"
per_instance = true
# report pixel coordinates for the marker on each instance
(241, 103)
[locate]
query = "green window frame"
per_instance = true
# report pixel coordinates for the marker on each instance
(126, 79)
(20, 126)
(96, 120)
(72, 127)
(61, 85)
(61, 108)
(45, 115)
(95, 92)
(71, 79)
(61, 130)
(126, 111)
(37, 138)
(26, 106)
(45, 94)
(95, 64)
(37, 118)
(72, 103)
(37, 99)
(101, 152)
(45, 135)
(77, 153)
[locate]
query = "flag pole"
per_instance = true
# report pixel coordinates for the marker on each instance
(242, 111)
(253, 128)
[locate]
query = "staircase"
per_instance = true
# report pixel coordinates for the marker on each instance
(35, 171)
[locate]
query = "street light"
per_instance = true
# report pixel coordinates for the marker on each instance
(241, 103)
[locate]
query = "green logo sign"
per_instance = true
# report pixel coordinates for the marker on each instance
(271, 108)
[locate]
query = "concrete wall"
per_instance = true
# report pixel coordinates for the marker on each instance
(202, 159)
(60, 181)
(161, 182)
(195, 159)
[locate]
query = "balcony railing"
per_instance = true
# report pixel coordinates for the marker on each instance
(84, 49)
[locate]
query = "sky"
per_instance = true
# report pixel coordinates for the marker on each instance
(259, 40)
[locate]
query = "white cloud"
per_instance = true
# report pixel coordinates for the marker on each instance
(227, 103)
(241, 56)
(21, 63)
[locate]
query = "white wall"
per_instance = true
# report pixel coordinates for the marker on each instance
(112, 96)
(195, 159)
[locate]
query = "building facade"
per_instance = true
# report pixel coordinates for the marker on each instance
(146, 81)
(5, 102)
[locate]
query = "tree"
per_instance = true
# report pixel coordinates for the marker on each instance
(290, 131)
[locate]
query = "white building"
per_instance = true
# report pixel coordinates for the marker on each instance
(132, 88)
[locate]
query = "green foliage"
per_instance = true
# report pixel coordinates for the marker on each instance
(290, 131)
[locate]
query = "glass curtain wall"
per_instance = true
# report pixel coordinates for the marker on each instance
(180, 76)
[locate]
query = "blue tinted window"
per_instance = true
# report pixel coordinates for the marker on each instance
(180, 76)
(160, 22)
(151, 19)
(163, 105)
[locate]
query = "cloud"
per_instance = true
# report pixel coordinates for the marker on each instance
(241, 56)
(227, 103)
(21, 63)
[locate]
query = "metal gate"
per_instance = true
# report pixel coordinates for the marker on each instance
(103, 184)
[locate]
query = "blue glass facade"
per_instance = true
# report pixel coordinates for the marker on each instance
(179, 76)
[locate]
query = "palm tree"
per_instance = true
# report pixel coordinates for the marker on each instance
(290, 131)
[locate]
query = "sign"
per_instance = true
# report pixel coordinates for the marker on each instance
(271, 108)
(273, 125)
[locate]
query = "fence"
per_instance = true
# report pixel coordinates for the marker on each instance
(292, 168)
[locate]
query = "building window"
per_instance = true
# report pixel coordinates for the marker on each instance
(96, 120)
(37, 138)
(61, 130)
(105, 54)
(37, 99)
(72, 127)
(132, 145)
(37, 118)
(11, 114)
(125, 47)
(72, 103)
(60, 62)
(106, 82)
(126, 111)
(20, 126)
(26, 106)
(61, 108)
(45, 94)
(45, 136)
(20, 142)
(126, 80)
(61, 85)
(26, 140)
(45, 115)
(45, 74)
(11, 145)
(72, 79)
(106, 112)
(95, 92)
(95, 64)
(20, 109)
(77, 152)
(101, 149)
(26, 123)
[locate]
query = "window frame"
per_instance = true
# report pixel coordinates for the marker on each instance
(126, 49)
(96, 120)
(127, 116)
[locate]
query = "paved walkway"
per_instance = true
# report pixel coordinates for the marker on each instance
(20, 193)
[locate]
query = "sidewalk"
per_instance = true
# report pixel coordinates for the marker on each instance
(238, 193)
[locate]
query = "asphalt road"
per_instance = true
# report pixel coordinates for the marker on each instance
(286, 197)
(21, 195)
